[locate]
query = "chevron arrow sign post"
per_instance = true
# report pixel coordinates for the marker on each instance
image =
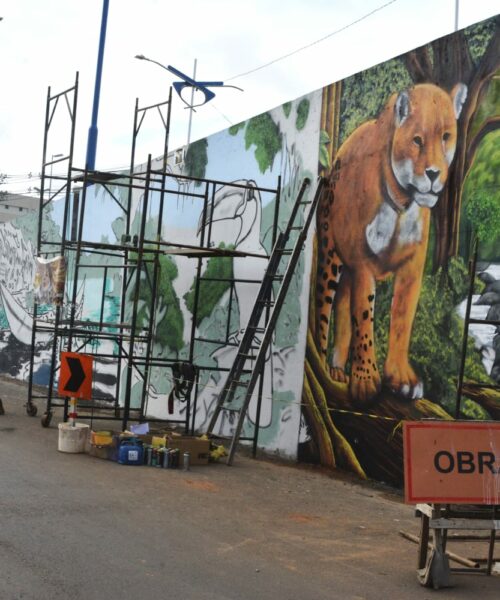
(75, 379)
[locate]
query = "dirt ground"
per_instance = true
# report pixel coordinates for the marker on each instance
(74, 526)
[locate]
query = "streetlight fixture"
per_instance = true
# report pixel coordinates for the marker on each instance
(187, 81)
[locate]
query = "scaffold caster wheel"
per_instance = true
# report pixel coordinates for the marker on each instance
(31, 409)
(47, 417)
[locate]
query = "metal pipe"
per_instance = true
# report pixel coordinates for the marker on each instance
(135, 302)
(461, 560)
(192, 102)
(466, 329)
(92, 138)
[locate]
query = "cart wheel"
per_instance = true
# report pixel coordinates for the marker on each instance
(47, 417)
(31, 409)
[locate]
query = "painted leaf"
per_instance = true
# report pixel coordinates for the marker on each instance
(302, 114)
(265, 134)
(324, 138)
(324, 156)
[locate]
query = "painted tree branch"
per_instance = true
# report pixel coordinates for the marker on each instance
(419, 65)
(477, 86)
(364, 440)
(452, 63)
(345, 457)
(317, 426)
(486, 397)
(372, 434)
(491, 124)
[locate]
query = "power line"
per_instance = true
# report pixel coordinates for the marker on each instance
(265, 65)
(222, 114)
(337, 31)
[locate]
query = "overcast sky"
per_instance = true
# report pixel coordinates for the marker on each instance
(45, 42)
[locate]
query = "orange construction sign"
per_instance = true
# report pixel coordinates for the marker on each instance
(452, 462)
(75, 378)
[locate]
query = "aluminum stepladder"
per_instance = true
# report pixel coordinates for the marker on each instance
(246, 361)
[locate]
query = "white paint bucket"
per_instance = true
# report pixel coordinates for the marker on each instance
(73, 438)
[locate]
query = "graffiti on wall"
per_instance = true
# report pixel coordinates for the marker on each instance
(412, 153)
(22, 283)
(16, 288)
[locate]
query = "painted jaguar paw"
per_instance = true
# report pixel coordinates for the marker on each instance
(364, 389)
(338, 374)
(403, 382)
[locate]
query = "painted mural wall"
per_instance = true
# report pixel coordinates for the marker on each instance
(412, 180)
(283, 143)
(18, 242)
(17, 269)
(371, 332)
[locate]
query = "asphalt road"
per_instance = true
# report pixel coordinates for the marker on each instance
(80, 528)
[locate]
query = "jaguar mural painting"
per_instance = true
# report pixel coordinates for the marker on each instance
(373, 222)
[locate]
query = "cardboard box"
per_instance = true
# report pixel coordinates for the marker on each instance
(155, 437)
(107, 450)
(198, 449)
(101, 438)
(158, 441)
(100, 451)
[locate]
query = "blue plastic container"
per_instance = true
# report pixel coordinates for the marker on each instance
(131, 452)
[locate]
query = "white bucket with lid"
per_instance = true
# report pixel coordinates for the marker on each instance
(73, 438)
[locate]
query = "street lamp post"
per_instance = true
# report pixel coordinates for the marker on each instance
(92, 137)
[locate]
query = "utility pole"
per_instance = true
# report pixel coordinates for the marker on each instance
(192, 102)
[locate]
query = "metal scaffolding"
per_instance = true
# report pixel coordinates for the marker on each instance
(134, 261)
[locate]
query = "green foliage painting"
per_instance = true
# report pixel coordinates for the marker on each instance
(437, 333)
(265, 134)
(364, 94)
(302, 114)
(170, 322)
(482, 190)
(324, 155)
(211, 291)
(197, 159)
(233, 130)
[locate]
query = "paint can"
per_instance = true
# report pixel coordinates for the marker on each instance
(149, 454)
(186, 461)
(173, 462)
(161, 454)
